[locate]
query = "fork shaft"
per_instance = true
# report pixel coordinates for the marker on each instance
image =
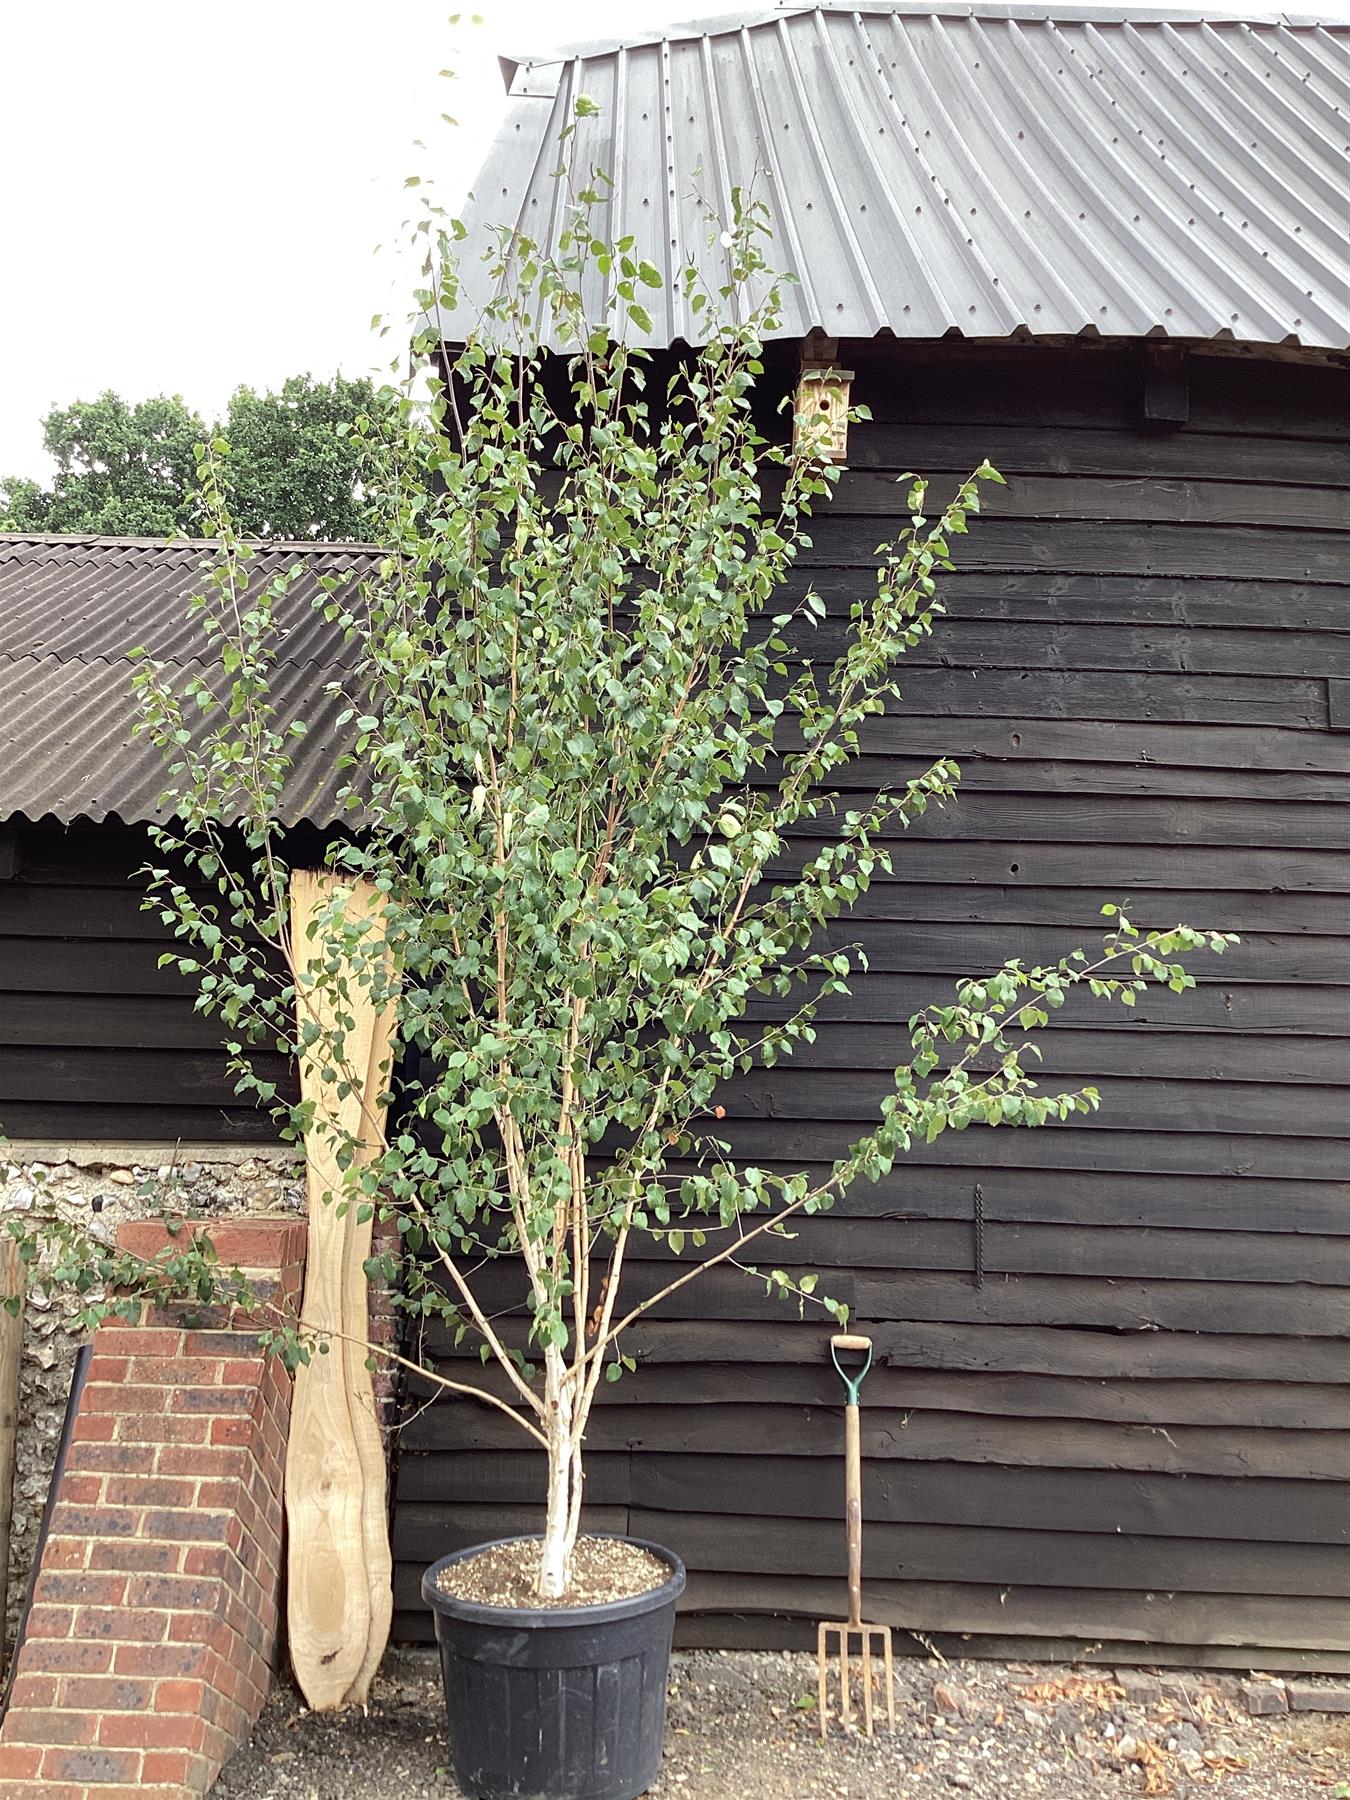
(853, 1511)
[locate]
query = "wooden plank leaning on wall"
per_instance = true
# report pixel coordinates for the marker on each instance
(340, 1580)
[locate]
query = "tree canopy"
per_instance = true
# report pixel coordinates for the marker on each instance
(127, 469)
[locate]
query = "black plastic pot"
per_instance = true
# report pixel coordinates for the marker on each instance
(556, 1702)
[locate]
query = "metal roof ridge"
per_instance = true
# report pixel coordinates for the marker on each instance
(105, 541)
(114, 659)
(1030, 11)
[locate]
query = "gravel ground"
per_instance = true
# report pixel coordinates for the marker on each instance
(743, 1726)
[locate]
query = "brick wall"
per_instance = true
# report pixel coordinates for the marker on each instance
(148, 1649)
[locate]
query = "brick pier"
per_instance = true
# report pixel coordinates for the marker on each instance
(148, 1649)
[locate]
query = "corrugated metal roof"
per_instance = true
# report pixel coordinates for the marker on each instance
(983, 169)
(71, 610)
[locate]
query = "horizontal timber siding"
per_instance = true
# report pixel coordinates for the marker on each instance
(1135, 1433)
(97, 1041)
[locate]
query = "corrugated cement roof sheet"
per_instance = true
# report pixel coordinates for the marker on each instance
(977, 169)
(71, 611)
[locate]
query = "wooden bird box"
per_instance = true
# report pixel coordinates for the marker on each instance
(820, 425)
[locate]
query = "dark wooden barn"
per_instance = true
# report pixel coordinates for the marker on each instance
(1111, 1404)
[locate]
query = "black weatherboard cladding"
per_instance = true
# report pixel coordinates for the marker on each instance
(1133, 1432)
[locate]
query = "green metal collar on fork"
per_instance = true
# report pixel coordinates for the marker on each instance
(851, 1382)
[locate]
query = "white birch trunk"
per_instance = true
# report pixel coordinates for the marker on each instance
(561, 1518)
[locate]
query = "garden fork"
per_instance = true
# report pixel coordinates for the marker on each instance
(853, 1630)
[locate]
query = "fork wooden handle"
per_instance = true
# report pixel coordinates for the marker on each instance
(853, 1510)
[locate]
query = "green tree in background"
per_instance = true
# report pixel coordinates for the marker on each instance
(121, 470)
(295, 475)
(129, 470)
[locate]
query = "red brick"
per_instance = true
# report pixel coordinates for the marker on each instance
(148, 1237)
(182, 1371)
(112, 1459)
(181, 1697)
(141, 1490)
(50, 1622)
(164, 1565)
(92, 1765)
(135, 1558)
(106, 1693)
(231, 1431)
(176, 1767)
(121, 1625)
(72, 1589)
(174, 1592)
(33, 1690)
(19, 1762)
(89, 1522)
(152, 1731)
(230, 1495)
(176, 1660)
(210, 1559)
(203, 1628)
(241, 1243)
(258, 1243)
(242, 1372)
(164, 1429)
(55, 1726)
(92, 1428)
(185, 1526)
(62, 1658)
(140, 1398)
(104, 1368)
(214, 1401)
(81, 1490)
(135, 1340)
(64, 1553)
(217, 1343)
(145, 1790)
(203, 1459)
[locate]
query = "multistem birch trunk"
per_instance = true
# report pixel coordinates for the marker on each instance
(563, 1513)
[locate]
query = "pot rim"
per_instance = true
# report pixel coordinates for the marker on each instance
(474, 1612)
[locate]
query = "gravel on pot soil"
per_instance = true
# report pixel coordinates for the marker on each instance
(603, 1569)
(742, 1726)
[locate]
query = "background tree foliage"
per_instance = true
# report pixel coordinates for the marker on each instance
(129, 470)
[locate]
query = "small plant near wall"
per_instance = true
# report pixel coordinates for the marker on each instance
(593, 785)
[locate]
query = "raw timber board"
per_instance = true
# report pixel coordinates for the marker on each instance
(1302, 1405)
(909, 1435)
(1242, 1621)
(909, 1551)
(729, 1485)
(337, 1567)
(1179, 1360)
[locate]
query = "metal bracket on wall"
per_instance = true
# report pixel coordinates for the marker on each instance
(1167, 387)
(1338, 705)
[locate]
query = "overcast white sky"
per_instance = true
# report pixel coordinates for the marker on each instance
(194, 191)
